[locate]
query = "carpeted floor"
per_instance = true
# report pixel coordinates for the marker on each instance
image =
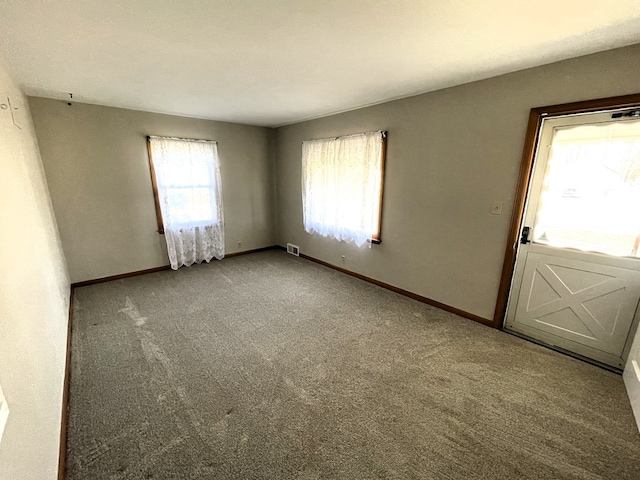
(267, 366)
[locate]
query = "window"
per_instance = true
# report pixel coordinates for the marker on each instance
(187, 190)
(591, 188)
(342, 182)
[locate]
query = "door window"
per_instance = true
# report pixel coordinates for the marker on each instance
(590, 196)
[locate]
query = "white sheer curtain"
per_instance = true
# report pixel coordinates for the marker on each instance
(189, 190)
(341, 181)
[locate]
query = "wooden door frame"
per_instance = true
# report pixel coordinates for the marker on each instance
(536, 115)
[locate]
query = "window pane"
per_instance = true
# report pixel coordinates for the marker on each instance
(187, 180)
(193, 205)
(591, 190)
(186, 174)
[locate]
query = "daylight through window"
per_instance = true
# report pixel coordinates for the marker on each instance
(342, 181)
(187, 190)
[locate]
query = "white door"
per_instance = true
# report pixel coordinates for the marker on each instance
(576, 282)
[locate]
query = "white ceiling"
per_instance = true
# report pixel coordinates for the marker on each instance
(274, 62)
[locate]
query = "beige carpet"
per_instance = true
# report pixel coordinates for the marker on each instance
(267, 366)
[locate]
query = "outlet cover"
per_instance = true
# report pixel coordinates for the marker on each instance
(4, 413)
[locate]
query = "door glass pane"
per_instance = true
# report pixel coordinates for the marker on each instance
(590, 198)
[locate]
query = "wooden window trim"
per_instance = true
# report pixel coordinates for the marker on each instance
(529, 151)
(154, 185)
(376, 238)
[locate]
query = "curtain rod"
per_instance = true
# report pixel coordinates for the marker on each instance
(182, 139)
(382, 132)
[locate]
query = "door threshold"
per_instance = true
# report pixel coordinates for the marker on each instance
(566, 352)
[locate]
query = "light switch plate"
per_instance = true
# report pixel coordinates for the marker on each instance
(496, 208)
(4, 413)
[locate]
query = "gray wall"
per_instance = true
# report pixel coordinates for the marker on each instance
(98, 172)
(34, 301)
(451, 153)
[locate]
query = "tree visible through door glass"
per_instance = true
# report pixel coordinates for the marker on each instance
(590, 198)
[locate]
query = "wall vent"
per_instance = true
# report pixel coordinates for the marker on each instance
(293, 249)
